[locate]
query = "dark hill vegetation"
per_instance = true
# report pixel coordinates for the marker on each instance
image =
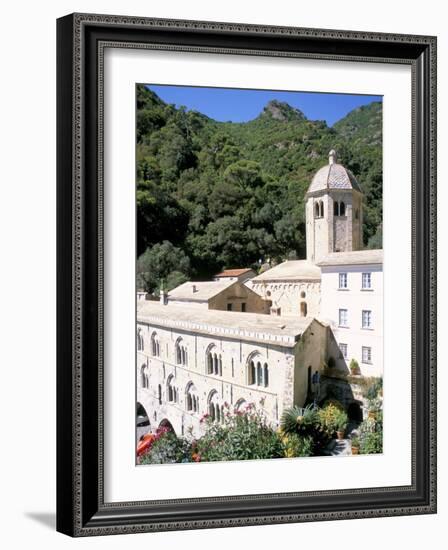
(225, 194)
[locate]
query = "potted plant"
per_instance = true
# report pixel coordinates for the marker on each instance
(354, 367)
(341, 424)
(355, 446)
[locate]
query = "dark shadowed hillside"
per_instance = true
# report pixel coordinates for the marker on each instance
(213, 194)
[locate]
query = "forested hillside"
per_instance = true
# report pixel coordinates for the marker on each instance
(212, 195)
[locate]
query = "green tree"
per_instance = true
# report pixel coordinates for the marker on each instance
(163, 261)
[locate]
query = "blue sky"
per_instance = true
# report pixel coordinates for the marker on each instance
(242, 105)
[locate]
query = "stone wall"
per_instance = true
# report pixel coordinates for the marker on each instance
(288, 296)
(236, 295)
(232, 386)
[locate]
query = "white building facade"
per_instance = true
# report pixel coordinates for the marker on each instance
(352, 305)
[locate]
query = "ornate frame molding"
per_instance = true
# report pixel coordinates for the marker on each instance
(82, 39)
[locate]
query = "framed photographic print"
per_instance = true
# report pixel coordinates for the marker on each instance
(246, 274)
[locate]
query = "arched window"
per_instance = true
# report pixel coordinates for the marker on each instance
(303, 309)
(266, 375)
(171, 391)
(257, 371)
(316, 210)
(209, 363)
(140, 341)
(215, 364)
(191, 398)
(321, 209)
(240, 404)
(342, 209)
(155, 345)
(251, 373)
(336, 208)
(144, 376)
(259, 374)
(213, 361)
(181, 352)
(214, 407)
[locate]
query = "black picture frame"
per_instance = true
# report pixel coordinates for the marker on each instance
(81, 510)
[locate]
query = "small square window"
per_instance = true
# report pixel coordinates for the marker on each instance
(366, 354)
(229, 307)
(343, 348)
(366, 281)
(342, 280)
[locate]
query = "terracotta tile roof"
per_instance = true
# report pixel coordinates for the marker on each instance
(233, 272)
(198, 291)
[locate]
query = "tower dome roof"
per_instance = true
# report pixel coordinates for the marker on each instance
(333, 176)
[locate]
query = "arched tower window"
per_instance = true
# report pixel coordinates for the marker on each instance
(342, 209)
(316, 210)
(303, 309)
(321, 209)
(336, 208)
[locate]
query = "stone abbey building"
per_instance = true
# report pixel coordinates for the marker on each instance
(245, 338)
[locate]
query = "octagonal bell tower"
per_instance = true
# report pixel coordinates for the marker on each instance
(333, 211)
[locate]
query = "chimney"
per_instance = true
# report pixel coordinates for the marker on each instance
(194, 288)
(163, 294)
(332, 157)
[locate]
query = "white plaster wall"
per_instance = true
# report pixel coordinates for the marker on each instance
(354, 299)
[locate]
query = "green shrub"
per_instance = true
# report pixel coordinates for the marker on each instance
(296, 445)
(371, 435)
(329, 418)
(244, 435)
(371, 443)
(341, 419)
(298, 420)
(167, 449)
